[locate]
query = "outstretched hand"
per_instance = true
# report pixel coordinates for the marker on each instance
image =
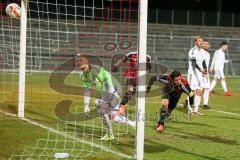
(148, 89)
(114, 69)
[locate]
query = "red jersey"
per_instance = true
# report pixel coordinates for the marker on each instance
(131, 70)
(177, 90)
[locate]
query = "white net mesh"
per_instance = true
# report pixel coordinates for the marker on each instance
(56, 32)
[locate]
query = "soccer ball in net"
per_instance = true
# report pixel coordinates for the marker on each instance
(13, 10)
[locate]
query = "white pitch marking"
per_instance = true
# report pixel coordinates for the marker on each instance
(213, 110)
(68, 136)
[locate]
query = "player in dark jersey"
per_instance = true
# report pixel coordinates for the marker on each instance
(174, 86)
(130, 74)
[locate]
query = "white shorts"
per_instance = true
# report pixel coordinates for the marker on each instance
(206, 82)
(195, 80)
(108, 103)
(218, 73)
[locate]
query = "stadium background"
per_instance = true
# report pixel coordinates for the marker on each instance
(55, 38)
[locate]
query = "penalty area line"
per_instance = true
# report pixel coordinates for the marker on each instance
(219, 111)
(229, 113)
(212, 110)
(68, 136)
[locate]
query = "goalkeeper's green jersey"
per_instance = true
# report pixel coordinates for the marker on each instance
(96, 78)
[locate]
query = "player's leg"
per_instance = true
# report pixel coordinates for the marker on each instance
(118, 118)
(197, 101)
(172, 104)
(102, 110)
(162, 115)
(163, 112)
(131, 90)
(86, 100)
(188, 102)
(198, 95)
(223, 83)
(115, 113)
(214, 81)
(107, 122)
(206, 81)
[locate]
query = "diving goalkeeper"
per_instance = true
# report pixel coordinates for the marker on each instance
(97, 78)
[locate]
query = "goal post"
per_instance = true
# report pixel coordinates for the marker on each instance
(40, 67)
(142, 48)
(22, 58)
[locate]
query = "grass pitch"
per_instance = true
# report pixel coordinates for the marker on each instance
(214, 136)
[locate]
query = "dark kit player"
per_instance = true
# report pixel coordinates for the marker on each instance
(174, 86)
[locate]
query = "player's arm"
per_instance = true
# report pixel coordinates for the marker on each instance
(150, 83)
(227, 60)
(195, 65)
(119, 62)
(204, 64)
(86, 99)
(187, 90)
(160, 78)
(148, 63)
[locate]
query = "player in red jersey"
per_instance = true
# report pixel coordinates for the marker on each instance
(174, 86)
(130, 74)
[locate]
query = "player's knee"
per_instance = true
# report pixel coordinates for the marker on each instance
(101, 111)
(130, 88)
(165, 103)
(199, 92)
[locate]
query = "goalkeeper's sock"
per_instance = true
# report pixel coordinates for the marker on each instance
(163, 115)
(86, 100)
(107, 123)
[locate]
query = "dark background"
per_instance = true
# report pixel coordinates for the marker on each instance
(185, 12)
(191, 5)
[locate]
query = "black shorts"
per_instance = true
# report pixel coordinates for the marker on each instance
(173, 100)
(168, 92)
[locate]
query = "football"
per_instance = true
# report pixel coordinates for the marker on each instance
(13, 10)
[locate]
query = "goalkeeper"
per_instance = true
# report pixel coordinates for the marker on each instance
(174, 85)
(97, 78)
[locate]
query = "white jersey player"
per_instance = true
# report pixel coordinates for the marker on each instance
(206, 78)
(218, 65)
(195, 72)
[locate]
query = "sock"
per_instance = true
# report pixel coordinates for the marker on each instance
(189, 103)
(197, 100)
(224, 85)
(212, 84)
(107, 123)
(163, 115)
(191, 100)
(205, 96)
(86, 99)
(126, 97)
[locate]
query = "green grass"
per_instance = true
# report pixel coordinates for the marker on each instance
(212, 136)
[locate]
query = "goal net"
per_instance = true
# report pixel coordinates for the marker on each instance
(56, 32)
